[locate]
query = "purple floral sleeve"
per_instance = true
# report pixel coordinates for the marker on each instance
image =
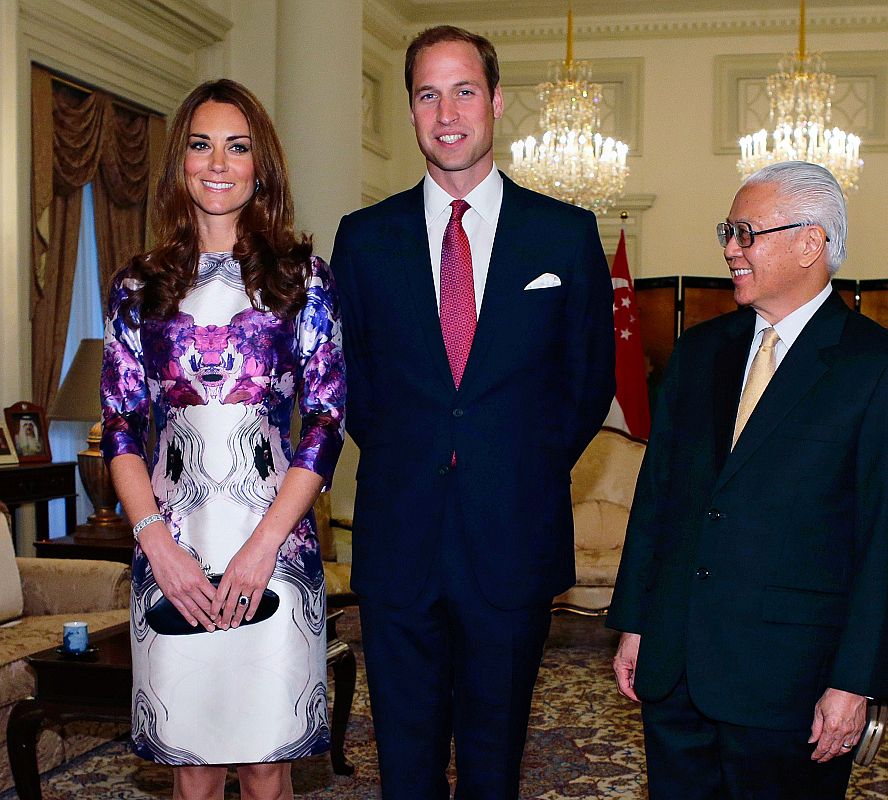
(125, 397)
(322, 388)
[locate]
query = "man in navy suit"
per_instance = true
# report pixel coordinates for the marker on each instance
(477, 320)
(753, 592)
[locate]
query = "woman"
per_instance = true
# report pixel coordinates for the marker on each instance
(218, 330)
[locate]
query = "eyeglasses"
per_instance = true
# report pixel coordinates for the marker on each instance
(745, 235)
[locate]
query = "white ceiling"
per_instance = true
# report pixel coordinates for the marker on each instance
(423, 11)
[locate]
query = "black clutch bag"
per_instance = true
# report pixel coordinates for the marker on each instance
(164, 618)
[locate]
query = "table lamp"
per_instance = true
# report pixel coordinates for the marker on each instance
(78, 400)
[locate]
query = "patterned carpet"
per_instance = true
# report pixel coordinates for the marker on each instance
(584, 740)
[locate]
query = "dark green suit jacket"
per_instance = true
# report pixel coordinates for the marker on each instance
(763, 572)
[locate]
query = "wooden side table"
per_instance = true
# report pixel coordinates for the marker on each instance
(38, 484)
(119, 550)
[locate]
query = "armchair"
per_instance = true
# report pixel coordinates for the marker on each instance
(36, 597)
(603, 483)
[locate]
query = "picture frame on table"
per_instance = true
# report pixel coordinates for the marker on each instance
(26, 423)
(7, 450)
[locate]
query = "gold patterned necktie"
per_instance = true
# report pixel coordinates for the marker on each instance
(764, 365)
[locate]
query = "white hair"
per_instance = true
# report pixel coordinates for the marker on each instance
(814, 197)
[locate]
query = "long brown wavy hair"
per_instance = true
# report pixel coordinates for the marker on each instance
(274, 261)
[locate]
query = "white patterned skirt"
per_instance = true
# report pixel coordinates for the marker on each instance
(257, 693)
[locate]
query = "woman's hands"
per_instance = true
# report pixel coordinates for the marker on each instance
(183, 582)
(180, 577)
(247, 575)
(250, 570)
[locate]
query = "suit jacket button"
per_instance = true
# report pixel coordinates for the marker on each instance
(458, 412)
(702, 573)
(714, 514)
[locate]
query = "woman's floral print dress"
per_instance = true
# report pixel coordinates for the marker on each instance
(221, 379)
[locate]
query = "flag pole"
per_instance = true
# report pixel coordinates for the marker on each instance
(630, 410)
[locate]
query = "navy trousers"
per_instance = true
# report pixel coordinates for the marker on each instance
(693, 757)
(451, 666)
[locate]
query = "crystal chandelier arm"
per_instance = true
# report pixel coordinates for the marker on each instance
(802, 30)
(568, 61)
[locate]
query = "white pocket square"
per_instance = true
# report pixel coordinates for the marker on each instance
(545, 281)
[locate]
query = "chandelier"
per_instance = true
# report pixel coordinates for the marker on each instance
(572, 160)
(801, 99)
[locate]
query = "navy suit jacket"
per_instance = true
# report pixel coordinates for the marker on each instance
(761, 571)
(537, 386)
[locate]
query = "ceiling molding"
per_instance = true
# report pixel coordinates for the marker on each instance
(59, 36)
(396, 21)
(186, 25)
(680, 26)
(431, 12)
(385, 24)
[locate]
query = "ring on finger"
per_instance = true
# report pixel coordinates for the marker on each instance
(847, 746)
(243, 600)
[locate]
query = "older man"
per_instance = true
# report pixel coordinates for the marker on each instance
(753, 588)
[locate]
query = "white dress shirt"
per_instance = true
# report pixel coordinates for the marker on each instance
(788, 329)
(479, 223)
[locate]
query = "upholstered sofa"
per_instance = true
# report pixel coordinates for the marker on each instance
(337, 559)
(36, 597)
(602, 486)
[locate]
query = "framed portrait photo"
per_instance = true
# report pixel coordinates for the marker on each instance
(7, 451)
(26, 423)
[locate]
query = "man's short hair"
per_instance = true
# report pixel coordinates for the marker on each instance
(449, 33)
(814, 197)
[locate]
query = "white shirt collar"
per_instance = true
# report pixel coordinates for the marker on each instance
(484, 198)
(789, 328)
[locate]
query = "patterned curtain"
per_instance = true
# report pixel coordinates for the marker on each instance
(78, 137)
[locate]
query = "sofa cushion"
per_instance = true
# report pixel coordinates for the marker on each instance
(608, 469)
(337, 577)
(11, 601)
(598, 567)
(31, 635)
(599, 524)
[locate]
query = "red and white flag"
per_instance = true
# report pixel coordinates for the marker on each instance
(630, 410)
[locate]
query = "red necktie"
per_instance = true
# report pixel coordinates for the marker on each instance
(458, 315)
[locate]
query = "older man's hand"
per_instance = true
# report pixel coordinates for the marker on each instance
(624, 664)
(839, 718)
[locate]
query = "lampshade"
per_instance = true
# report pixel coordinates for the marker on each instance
(78, 396)
(78, 399)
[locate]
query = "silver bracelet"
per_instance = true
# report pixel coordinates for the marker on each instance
(144, 523)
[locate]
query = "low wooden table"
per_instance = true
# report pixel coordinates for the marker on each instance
(101, 689)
